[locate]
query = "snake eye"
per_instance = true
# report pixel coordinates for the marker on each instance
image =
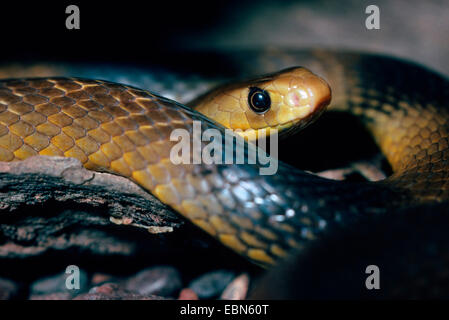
(259, 100)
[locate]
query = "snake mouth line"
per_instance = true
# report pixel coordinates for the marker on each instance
(290, 127)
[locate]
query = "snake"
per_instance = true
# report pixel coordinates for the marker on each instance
(121, 129)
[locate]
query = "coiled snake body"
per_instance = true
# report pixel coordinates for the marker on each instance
(124, 130)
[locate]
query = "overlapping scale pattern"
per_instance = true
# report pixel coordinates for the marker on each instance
(126, 131)
(123, 130)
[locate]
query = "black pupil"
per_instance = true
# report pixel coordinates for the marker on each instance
(259, 100)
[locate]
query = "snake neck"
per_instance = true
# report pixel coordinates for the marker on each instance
(404, 108)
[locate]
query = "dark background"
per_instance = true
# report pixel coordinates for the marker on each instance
(160, 30)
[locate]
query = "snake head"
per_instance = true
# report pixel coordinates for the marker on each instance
(287, 101)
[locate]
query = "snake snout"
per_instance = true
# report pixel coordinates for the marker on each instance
(320, 91)
(305, 94)
(308, 92)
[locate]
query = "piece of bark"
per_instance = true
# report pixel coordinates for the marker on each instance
(113, 291)
(55, 203)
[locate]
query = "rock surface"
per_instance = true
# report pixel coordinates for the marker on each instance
(56, 284)
(211, 284)
(162, 280)
(8, 289)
